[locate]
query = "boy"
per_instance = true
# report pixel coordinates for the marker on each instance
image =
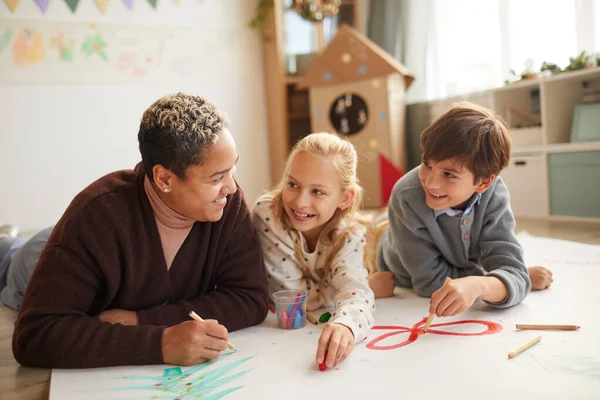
(450, 217)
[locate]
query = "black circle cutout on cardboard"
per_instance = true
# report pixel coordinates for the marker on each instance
(349, 114)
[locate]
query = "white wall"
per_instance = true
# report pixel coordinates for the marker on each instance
(55, 139)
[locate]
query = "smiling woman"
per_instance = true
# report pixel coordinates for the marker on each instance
(137, 250)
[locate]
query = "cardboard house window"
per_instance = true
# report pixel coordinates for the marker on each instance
(348, 114)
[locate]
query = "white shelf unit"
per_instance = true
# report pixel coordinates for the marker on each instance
(543, 159)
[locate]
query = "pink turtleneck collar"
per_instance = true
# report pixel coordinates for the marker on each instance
(172, 226)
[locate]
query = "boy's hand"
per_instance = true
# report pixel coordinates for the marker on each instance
(541, 278)
(335, 343)
(382, 284)
(455, 296)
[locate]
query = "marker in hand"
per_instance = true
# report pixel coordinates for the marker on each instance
(323, 365)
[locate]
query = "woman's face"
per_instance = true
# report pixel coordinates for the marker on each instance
(202, 195)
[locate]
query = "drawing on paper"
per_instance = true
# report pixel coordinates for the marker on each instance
(95, 44)
(417, 330)
(28, 47)
(5, 37)
(561, 364)
(64, 45)
(196, 382)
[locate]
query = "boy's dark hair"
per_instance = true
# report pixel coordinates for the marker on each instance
(473, 135)
(176, 130)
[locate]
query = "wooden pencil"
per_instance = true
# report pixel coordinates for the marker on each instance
(199, 319)
(524, 347)
(312, 319)
(547, 327)
(430, 318)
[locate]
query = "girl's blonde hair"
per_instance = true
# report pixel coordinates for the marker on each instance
(345, 160)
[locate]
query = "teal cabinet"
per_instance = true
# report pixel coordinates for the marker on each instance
(574, 183)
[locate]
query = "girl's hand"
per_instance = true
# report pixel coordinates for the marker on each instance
(335, 343)
(382, 284)
(541, 278)
(456, 296)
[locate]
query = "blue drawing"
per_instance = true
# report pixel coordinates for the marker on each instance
(382, 115)
(193, 383)
(362, 70)
(319, 112)
(327, 76)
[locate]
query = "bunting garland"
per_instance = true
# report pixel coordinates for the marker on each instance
(12, 4)
(102, 5)
(72, 5)
(43, 5)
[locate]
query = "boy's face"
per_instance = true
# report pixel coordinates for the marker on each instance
(449, 184)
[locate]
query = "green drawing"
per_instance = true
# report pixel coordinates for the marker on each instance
(5, 39)
(193, 383)
(95, 44)
(65, 48)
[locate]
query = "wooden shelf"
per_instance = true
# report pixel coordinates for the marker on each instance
(571, 147)
(524, 150)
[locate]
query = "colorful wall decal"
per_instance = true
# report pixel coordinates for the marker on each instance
(28, 47)
(95, 44)
(5, 37)
(64, 45)
(153, 3)
(12, 4)
(128, 4)
(72, 4)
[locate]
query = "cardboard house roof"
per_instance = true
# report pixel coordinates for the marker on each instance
(350, 57)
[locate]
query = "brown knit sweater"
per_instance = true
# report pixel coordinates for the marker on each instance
(105, 253)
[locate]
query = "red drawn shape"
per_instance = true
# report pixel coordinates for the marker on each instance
(417, 329)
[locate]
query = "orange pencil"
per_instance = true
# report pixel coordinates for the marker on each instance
(199, 319)
(547, 327)
(430, 318)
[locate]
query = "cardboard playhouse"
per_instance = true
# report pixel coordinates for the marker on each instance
(357, 90)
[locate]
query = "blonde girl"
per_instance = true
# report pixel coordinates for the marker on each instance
(313, 239)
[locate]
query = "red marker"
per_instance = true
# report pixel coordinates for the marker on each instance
(323, 365)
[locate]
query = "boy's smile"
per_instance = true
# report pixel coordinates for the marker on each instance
(449, 184)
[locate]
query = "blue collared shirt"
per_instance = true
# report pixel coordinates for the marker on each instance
(454, 212)
(466, 222)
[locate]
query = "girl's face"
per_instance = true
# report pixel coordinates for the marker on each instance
(313, 193)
